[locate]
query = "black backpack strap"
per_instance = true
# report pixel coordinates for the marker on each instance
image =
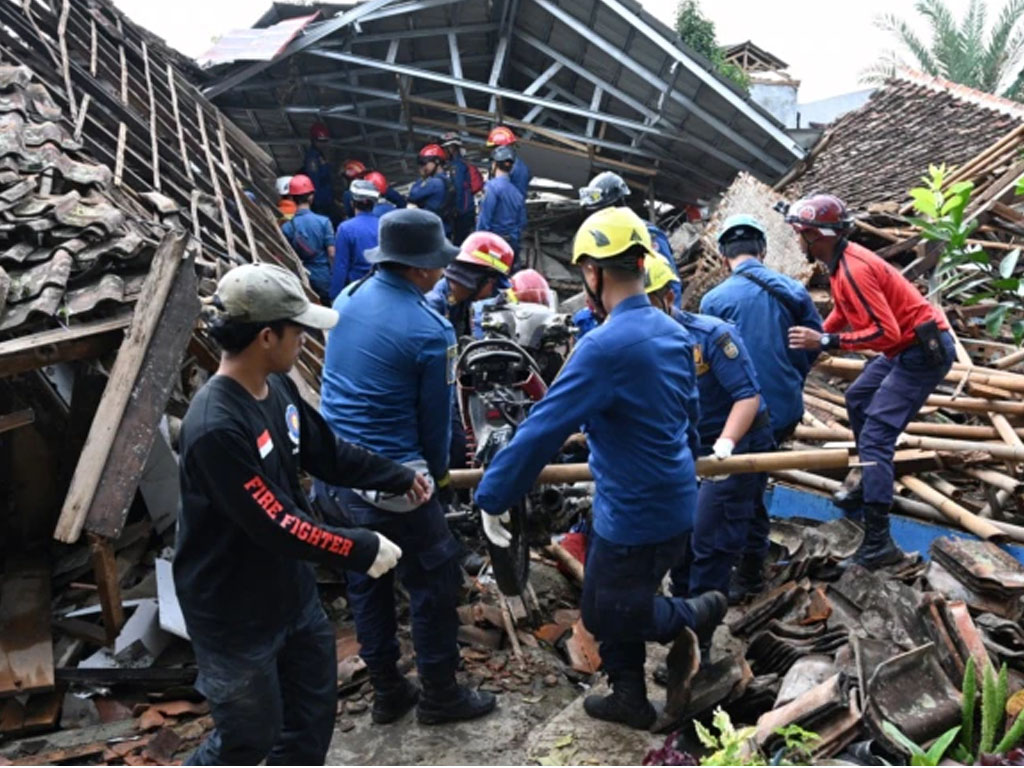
(775, 293)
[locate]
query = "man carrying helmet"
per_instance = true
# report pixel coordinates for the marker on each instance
(763, 305)
(641, 457)
(520, 175)
(733, 419)
(386, 386)
(467, 181)
(876, 308)
(312, 237)
(354, 237)
(503, 209)
(247, 537)
(607, 190)
(358, 172)
(316, 166)
(434, 190)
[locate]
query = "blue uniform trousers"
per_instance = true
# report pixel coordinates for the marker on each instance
(621, 605)
(731, 520)
(882, 401)
(430, 572)
(274, 697)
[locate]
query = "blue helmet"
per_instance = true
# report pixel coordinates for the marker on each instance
(741, 226)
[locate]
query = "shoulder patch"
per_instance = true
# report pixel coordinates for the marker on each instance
(699, 361)
(728, 346)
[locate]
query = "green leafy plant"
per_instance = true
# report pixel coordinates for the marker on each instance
(730, 746)
(698, 32)
(798, 746)
(918, 756)
(965, 271)
(994, 695)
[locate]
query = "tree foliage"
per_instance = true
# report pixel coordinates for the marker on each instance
(698, 32)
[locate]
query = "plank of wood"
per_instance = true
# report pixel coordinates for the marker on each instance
(17, 419)
(123, 375)
(26, 645)
(104, 564)
(131, 445)
(57, 345)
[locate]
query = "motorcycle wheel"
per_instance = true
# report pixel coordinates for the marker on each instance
(511, 565)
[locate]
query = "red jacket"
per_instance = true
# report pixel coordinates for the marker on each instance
(879, 304)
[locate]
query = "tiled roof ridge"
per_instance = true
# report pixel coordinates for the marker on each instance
(962, 92)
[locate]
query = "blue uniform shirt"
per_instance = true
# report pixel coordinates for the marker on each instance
(388, 370)
(463, 186)
(660, 241)
(311, 234)
(521, 176)
(631, 381)
(391, 195)
(383, 207)
(315, 166)
(762, 318)
(725, 372)
(503, 210)
(353, 238)
(429, 193)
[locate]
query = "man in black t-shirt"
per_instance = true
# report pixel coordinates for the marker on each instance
(247, 538)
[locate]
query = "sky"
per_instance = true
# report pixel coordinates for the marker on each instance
(827, 49)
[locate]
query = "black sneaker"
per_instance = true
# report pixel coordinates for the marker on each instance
(453, 703)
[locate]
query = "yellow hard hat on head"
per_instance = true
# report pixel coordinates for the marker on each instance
(609, 233)
(657, 273)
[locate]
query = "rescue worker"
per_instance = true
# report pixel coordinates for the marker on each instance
(247, 538)
(763, 305)
(386, 382)
(520, 175)
(733, 420)
(607, 190)
(503, 209)
(467, 181)
(642, 460)
(285, 205)
(434, 191)
(387, 194)
(359, 172)
(312, 237)
(316, 166)
(885, 313)
(354, 237)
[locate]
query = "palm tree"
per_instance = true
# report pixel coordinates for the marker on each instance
(960, 52)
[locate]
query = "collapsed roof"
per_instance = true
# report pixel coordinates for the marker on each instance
(590, 84)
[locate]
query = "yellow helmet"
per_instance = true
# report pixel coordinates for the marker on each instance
(657, 273)
(609, 233)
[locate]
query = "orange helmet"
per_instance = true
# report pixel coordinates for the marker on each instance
(318, 131)
(529, 286)
(487, 250)
(500, 137)
(300, 184)
(433, 152)
(377, 179)
(353, 169)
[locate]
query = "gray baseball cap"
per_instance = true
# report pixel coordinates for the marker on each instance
(264, 293)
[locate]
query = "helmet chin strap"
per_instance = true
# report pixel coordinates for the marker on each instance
(595, 297)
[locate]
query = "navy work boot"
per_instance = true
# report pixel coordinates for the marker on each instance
(626, 704)
(877, 550)
(850, 500)
(393, 696)
(445, 701)
(747, 579)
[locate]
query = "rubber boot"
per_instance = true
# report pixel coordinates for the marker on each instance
(747, 579)
(393, 696)
(626, 704)
(877, 550)
(445, 701)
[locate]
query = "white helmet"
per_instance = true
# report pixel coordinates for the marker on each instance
(281, 185)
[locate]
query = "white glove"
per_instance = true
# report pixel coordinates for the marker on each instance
(388, 554)
(722, 449)
(495, 532)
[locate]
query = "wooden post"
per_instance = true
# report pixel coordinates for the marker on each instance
(104, 565)
(965, 518)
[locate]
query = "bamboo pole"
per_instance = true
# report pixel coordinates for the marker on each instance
(944, 487)
(991, 377)
(955, 431)
(554, 474)
(993, 478)
(958, 514)
(562, 555)
(996, 450)
(1009, 360)
(838, 411)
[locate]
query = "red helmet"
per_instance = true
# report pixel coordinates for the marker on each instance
(825, 213)
(318, 131)
(530, 287)
(500, 137)
(353, 169)
(300, 184)
(432, 152)
(487, 249)
(377, 179)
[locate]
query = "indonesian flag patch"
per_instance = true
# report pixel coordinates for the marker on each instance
(265, 443)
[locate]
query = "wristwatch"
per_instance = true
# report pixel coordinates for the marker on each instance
(830, 341)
